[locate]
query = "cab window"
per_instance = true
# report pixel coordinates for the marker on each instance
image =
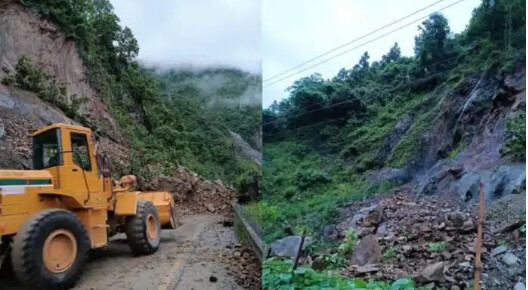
(80, 151)
(47, 151)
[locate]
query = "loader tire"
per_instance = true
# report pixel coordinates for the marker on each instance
(6, 268)
(51, 250)
(143, 230)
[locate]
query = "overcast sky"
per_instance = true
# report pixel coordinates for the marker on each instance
(297, 30)
(197, 33)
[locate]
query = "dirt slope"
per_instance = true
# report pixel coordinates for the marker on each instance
(23, 33)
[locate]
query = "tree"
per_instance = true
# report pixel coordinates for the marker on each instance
(502, 21)
(364, 61)
(393, 55)
(128, 47)
(429, 45)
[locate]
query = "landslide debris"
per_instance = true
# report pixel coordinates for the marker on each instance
(244, 265)
(432, 239)
(193, 193)
(15, 140)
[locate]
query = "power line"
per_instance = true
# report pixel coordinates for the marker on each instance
(308, 126)
(340, 118)
(363, 44)
(352, 41)
(348, 101)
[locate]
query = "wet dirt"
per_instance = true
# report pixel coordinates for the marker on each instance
(190, 257)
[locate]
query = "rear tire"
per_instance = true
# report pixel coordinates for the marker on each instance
(51, 250)
(143, 230)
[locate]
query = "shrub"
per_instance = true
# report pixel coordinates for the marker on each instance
(516, 146)
(309, 177)
(389, 253)
(28, 77)
(279, 274)
(348, 245)
(34, 79)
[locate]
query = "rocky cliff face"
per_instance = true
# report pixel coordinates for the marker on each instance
(23, 33)
(463, 144)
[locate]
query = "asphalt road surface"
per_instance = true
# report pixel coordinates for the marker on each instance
(187, 259)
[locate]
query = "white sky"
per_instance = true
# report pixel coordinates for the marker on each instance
(294, 31)
(195, 33)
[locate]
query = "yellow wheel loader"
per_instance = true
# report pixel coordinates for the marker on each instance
(51, 216)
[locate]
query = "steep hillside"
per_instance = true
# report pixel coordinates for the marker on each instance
(230, 95)
(24, 33)
(434, 124)
(74, 63)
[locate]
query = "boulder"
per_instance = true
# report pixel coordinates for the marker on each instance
(468, 227)
(457, 218)
(210, 207)
(373, 218)
(510, 260)
(499, 250)
(432, 273)
(368, 251)
(382, 229)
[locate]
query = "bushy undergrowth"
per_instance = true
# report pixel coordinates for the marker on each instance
(279, 274)
(516, 146)
(312, 206)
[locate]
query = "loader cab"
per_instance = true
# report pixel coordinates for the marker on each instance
(47, 149)
(67, 152)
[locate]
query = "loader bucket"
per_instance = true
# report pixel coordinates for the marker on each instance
(163, 201)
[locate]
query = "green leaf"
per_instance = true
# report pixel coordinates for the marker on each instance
(402, 284)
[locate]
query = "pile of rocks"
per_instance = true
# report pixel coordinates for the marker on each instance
(15, 140)
(193, 193)
(244, 265)
(431, 240)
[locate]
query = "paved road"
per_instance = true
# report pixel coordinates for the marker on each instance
(187, 258)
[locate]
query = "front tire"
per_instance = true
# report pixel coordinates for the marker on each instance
(51, 250)
(143, 230)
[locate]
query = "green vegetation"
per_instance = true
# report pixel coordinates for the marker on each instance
(349, 243)
(320, 143)
(389, 253)
(516, 146)
(34, 79)
(330, 137)
(163, 120)
(279, 274)
(338, 260)
(437, 247)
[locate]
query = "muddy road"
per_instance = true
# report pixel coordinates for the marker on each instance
(189, 258)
